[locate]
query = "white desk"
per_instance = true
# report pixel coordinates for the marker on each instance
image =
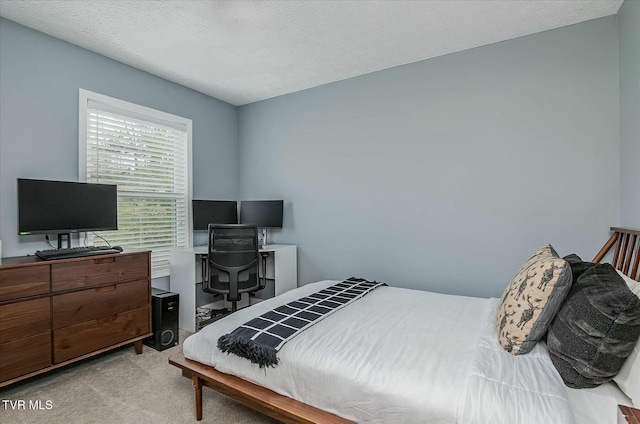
(281, 273)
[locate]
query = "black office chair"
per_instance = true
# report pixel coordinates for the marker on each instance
(232, 261)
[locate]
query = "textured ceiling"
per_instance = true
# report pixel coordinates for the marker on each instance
(246, 51)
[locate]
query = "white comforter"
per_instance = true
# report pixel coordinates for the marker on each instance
(397, 356)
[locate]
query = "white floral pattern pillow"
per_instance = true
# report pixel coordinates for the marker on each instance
(628, 379)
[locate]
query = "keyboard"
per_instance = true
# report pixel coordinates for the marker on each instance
(75, 252)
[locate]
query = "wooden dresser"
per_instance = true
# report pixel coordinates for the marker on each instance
(53, 313)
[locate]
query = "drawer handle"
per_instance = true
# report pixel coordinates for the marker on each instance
(107, 319)
(104, 260)
(106, 289)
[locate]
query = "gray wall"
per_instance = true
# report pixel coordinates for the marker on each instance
(448, 173)
(629, 36)
(444, 174)
(41, 76)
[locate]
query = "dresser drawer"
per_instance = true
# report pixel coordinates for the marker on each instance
(23, 281)
(99, 270)
(86, 305)
(24, 356)
(77, 340)
(24, 319)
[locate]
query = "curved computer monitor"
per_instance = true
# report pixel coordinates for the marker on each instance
(207, 212)
(264, 213)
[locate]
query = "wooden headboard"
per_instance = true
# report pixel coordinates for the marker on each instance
(626, 257)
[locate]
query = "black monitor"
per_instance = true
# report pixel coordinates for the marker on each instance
(264, 213)
(207, 212)
(62, 207)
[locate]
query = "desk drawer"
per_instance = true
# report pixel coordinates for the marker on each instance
(25, 355)
(24, 319)
(23, 281)
(77, 340)
(99, 270)
(86, 305)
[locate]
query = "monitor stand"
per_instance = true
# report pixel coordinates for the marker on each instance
(264, 238)
(61, 238)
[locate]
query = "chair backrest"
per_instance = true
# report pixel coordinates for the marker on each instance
(232, 260)
(626, 257)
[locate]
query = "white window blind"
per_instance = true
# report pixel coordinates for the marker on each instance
(146, 153)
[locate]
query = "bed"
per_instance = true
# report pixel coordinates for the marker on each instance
(400, 355)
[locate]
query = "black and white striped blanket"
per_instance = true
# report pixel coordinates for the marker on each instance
(261, 338)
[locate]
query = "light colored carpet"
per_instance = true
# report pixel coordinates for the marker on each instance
(120, 387)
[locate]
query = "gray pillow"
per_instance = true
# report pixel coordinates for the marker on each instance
(578, 266)
(595, 329)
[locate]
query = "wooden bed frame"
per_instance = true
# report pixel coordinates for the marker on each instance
(256, 397)
(626, 258)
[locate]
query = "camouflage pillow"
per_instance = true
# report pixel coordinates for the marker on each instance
(532, 300)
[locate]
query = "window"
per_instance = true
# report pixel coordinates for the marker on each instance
(147, 154)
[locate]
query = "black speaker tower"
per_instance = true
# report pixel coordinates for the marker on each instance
(164, 320)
